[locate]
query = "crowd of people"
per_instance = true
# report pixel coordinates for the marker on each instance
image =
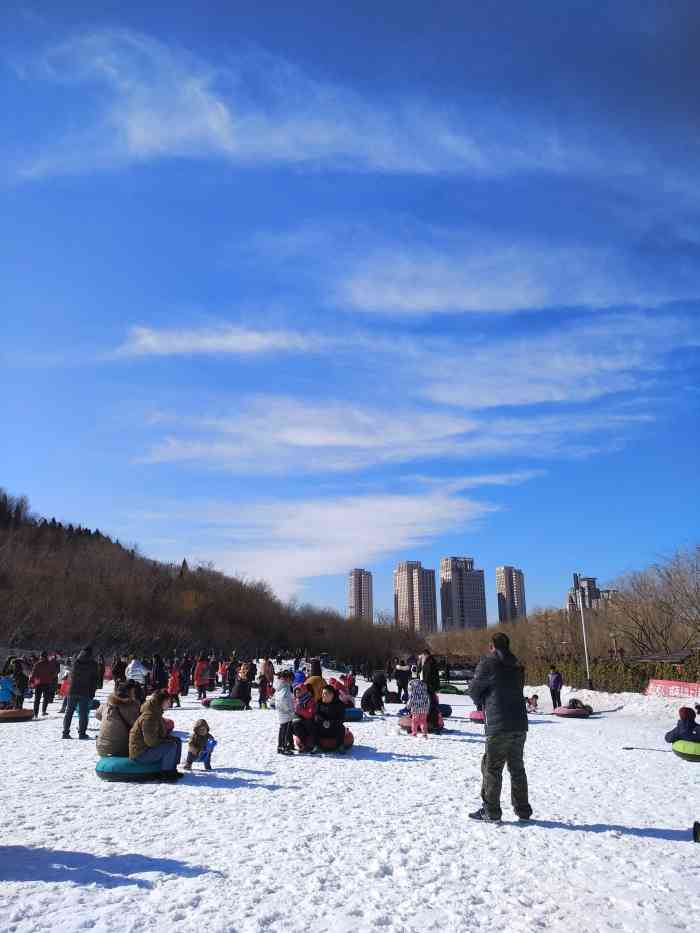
(311, 710)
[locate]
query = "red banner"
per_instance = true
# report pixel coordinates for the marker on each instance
(672, 688)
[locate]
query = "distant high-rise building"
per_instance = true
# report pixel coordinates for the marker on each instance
(415, 605)
(585, 592)
(462, 594)
(360, 595)
(510, 588)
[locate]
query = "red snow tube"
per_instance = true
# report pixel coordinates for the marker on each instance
(477, 715)
(206, 701)
(16, 715)
(328, 744)
(573, 713)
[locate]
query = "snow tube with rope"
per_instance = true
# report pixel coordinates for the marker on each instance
(226, 703)
(354, 714)
(115, 768)
(16, 715)
(578, 713)
(477, 715)
(688, 751)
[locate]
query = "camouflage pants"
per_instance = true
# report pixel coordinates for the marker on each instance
(506, 748)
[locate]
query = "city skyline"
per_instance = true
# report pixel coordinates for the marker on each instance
(286, 295)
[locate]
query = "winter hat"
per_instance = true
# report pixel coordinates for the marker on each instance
(686, 713)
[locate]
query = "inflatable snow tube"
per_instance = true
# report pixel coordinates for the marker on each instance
(226, 703)
(688, 751)
(330, 745)
(477, 715)
(16, 715)
(405, 724)
(573, 713)
(354, 714)
(124, 769)
(445, 710)
(450, 688)
(206, 701)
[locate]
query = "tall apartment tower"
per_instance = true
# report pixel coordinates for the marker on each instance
(415, 604)
(360, 595)
(462, 594)
(510, 588)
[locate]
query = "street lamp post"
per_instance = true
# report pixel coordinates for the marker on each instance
(583, 628)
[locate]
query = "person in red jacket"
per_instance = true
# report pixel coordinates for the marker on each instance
(201, 677)
(174, 685)
(304, 712)
(41, 679)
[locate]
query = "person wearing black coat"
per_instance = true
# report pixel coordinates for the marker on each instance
(159, 673)
(430, 674)
(373, 698)
(498, 686)
(241, 691)
(84, 678)
(329, 719)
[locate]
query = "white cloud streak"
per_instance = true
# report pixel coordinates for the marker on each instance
(150, 100)
(286, 543)
(225, 340)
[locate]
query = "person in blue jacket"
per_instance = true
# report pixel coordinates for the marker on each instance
(686, 728)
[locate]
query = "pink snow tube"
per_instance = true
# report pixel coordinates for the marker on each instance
(477, 715)
(573, 713)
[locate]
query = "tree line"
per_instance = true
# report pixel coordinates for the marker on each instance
(62, 585)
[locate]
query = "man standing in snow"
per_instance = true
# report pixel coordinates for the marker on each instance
(498, 687)
(84, 677)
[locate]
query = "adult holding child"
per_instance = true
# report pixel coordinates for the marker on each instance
(149, 741)
(117, 715)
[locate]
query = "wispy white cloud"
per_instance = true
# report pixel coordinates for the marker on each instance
(286, 543)
(271, 435)
(150, 100)
(149, 341)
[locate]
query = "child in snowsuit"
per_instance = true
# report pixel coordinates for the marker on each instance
(201, 745)
(262, 691)
(418, 705)
(174, 685)
(284, 704)
(686, 729)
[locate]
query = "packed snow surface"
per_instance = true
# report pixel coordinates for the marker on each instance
(377, 839)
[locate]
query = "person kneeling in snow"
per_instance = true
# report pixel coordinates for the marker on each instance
(373, 698)
(686, 729)
(201, 744)
(418, 705)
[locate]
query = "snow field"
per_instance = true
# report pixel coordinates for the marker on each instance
(377, 839)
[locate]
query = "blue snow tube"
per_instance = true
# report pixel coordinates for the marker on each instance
(115, 768)
(354, 714)
(446, 710)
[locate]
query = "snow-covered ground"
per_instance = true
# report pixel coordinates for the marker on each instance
(375, 840)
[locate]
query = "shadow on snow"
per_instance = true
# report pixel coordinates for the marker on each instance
(27, 863)
(643, 832)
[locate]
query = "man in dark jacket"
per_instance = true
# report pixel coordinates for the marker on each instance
(498, 686)
(430, 673)
(555, 682)
(84, 677)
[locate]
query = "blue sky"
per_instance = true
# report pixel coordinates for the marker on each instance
(293, 289)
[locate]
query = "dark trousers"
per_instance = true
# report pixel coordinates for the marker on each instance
(42, 692)
(83, 705)
(505, 748)
(284, 736)
(175, 699)
(336, 732)
(402, 689)
(201, 693)
(556, 697)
